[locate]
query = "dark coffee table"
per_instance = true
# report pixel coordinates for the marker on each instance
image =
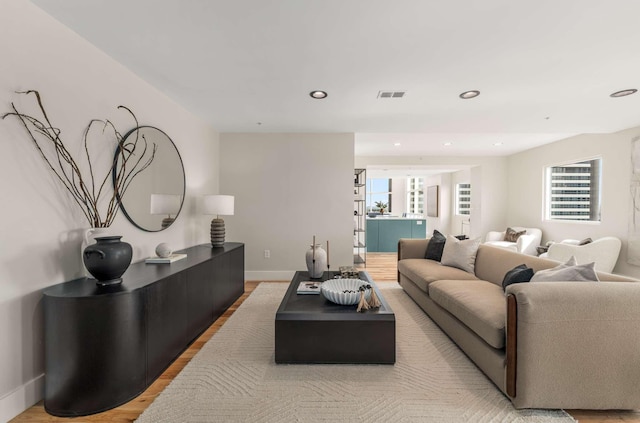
(311, 329)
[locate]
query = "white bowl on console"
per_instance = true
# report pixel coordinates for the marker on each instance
(344, 291)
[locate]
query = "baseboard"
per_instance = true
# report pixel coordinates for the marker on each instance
(265, 275)
(22, 398)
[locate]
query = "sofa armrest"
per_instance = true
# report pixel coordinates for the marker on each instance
(494, 236)
(604, 252)
(575, 345)
(527, 244)
(412, 248)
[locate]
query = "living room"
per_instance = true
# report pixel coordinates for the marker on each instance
(289, 185)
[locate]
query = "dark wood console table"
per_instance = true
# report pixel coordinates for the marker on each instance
(106, 345)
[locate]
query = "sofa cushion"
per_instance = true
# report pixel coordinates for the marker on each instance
(581, 272)
(422, 272)
(504, 244)
(493, 263)
(480, 305)
(435, 246)
(518, 274)
(460, 254)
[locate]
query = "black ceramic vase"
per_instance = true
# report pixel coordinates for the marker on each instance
(107, 259)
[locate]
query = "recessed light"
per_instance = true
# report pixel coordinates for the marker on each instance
(318, 94)
(497, 144)
(396, 144)
(469, 94)
(447, 144)
(623, 93)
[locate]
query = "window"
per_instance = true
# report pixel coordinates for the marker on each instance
(415, 195)
(378, 190)
(573, 191)
(463, 199)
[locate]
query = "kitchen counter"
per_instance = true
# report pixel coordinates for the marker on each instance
(394, 218)
(383, 233)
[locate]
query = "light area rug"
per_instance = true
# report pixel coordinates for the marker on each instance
(234, 377)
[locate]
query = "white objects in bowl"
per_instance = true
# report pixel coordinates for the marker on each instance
(163, 250)
(344, 291)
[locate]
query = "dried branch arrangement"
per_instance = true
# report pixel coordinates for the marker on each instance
(87, 191)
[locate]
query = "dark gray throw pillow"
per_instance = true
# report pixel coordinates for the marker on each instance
(435, 246)
(518, 274)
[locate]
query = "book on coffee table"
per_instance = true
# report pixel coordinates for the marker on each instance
(309, 287)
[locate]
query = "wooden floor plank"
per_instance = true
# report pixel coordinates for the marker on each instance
(381, 266)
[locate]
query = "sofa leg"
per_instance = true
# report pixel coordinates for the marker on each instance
(512, 339)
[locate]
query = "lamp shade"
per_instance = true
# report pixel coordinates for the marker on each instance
(165, 203)
(219, 204)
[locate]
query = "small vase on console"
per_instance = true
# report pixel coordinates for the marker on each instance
(316, 261)
(108, 259)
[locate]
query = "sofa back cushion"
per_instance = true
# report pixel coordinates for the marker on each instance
(493, 263)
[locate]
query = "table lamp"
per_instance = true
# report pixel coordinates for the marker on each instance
(218, 205)
(168, 204)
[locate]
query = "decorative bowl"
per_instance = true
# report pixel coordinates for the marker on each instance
(344, 291)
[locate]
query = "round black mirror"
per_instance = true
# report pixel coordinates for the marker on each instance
(153, 199)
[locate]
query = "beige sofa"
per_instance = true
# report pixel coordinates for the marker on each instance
(572, 345)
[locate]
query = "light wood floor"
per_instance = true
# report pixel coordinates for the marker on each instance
(381, 267)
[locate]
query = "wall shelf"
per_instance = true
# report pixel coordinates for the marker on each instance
(359, 223)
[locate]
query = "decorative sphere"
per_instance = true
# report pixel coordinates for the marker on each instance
(163, 250)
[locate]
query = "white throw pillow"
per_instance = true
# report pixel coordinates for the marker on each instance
(568, 271)
(460, 254)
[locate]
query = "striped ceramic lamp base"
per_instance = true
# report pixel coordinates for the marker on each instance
(217, 232)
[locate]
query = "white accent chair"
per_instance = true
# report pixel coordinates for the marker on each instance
(526, 244)
(603, 251)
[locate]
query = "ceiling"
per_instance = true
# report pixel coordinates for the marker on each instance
(545, 68)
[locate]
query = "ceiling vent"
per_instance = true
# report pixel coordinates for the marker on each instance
(391, 94)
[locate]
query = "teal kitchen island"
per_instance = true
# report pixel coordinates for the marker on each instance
(383, 233)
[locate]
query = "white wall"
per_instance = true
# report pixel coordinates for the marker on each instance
(40, 230)
(526, 189)
(443, 222)
(288, 187)
(489, 202)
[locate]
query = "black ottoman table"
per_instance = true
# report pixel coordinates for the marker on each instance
(311, 329)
